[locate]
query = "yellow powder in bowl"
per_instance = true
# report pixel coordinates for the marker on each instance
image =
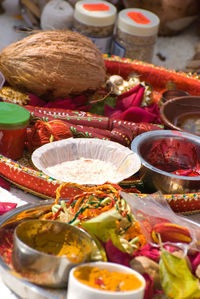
(105, 280)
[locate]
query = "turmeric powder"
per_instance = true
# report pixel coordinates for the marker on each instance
(105, 280)
(52, 239)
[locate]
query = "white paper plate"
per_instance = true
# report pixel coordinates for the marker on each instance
(125, 160)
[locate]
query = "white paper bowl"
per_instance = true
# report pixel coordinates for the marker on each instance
(78, 290)
(126, 161)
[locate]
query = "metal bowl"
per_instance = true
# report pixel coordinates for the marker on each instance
(174, 109)
(156, 179)
(173, 93)
(41, 251)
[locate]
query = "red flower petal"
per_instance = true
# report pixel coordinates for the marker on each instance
(115, 255)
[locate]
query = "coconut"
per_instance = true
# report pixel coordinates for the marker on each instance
(56, 63)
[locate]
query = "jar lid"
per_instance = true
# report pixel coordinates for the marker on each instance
(95, 13)
(139, 22)
(13, 115)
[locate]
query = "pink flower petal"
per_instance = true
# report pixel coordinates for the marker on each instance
(148, 251)
(6, 206)
(149, 289)
(129, 92)
(130, 98)
(115, 255)
(194, 260)
(138, 114)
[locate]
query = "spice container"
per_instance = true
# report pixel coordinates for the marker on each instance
(105, 280)
(95, 19)
(56, 14)
(136, 34)
(13, 123)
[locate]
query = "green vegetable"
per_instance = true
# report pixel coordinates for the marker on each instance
(176, 279)
(104, 227)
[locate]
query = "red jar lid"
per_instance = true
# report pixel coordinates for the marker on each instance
(13, 116)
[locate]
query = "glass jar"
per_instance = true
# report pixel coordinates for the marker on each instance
(14, 120)
(96, 19)
(136, 34)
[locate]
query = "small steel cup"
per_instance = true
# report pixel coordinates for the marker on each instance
(44, 266)
(156, 179)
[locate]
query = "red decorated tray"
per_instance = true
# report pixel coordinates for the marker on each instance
(22, 174)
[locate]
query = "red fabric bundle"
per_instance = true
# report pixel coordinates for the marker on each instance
(45, 132)
(84, 124)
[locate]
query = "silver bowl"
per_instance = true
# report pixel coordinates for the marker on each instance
(156, 179)
(40, 251)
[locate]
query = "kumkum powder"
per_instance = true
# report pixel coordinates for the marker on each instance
(179, 157)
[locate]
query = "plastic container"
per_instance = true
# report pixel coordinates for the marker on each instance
(136, 34)
(56, 14)
(14, 120)
(96, 19)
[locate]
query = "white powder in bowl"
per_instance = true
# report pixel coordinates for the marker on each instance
(84, 170)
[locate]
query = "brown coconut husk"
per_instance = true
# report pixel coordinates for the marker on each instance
(53, 63)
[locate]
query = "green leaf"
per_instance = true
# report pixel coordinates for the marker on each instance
(176, 279)
(98, 108)
(104, 227)
(111, 101)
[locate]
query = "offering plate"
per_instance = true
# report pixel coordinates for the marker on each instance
(23, 174)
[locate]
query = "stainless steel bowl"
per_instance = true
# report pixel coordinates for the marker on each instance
(40, 251)
(156, 179)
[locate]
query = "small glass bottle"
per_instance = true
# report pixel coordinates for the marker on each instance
(136, 34)
(96, 19)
